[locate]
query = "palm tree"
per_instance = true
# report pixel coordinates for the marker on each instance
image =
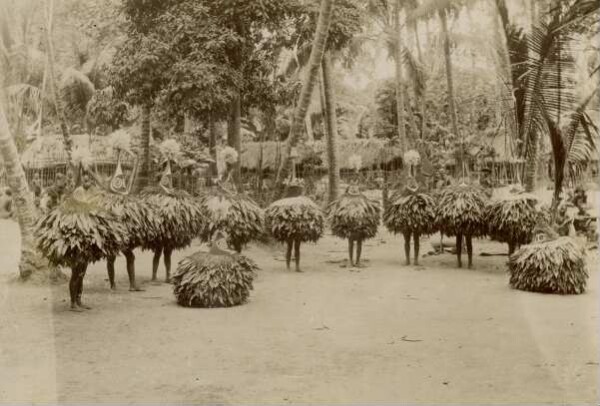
(31, 261)
(550, 92)
(316, 55)
(399, 80)
(331, 133)
(54, 86)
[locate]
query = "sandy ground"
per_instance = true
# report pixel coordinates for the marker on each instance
(387, 333)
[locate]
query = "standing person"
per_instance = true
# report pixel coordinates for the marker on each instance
(354, 217)
(5, 204)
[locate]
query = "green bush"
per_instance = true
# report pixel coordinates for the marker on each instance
(555, 266)
(294, 218)
(213, 280)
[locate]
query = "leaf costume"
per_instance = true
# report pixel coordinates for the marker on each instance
(214, 279)
(550, 265)
(235, 214)
(461, 213)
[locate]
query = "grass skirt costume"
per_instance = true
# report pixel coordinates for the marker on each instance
(550, 264)
(77, 232)
(411, 213)
(294, 219)
(461, 213)
(512, 220)
(354, 217)
(179, 220)
(217, 278)
(237, 215)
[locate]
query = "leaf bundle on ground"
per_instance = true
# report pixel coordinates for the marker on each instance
(213, 280)
(354, 216)
(179, 218)
(140, 221)
(512, 219)
(461, 210)
(411, 212)
(555, 266)
(77, 232)
(235, 214)
(295, 218)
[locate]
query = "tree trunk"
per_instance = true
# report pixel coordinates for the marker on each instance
(314, 63)
(234, 136)
(212, 145)
(399, 85)
(448, 59)
(332, 134)
(68, 141)
(142, 178)
(31, 261)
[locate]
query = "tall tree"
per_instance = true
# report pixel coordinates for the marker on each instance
(399, 79)
(60, 111)
(31, 261)
(332, 132)
(138, 69)
(308, 84)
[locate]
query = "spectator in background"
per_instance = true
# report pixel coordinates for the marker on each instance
(5, 203)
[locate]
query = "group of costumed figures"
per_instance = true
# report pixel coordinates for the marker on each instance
(101, 218)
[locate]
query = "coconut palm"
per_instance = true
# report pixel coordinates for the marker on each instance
(316, 55)
(552, 92)
(31, 260)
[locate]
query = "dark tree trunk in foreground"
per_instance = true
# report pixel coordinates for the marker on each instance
(332, 134)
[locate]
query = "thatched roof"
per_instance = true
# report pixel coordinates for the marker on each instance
(372, 151)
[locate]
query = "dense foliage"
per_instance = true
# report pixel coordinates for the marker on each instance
(354, 216)
(461, 210)
(295, 218)
(235, 214)
(79, 232)
(555, 266)
(411, 212)
(207, 279)
(179, 218)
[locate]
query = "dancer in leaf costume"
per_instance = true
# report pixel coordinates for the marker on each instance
(512, 219)
(135, 214)
(412, 213)
(461, 213)
(79, 231)
(217, 278)
(179, 217)
(550, 264)
(294, 219)
(354, 216)
(237, 215)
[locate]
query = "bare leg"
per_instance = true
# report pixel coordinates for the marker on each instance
(167, 259)
(110, 268)
(82, 271)
(288, 253)
(511, 247)
(416, 237)
(407, 247)
(297, 255)
(358, 252)
(459, 240)
(351, 251)
(74, 287)
(470, 249)
(130, 258)
(156, 262)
